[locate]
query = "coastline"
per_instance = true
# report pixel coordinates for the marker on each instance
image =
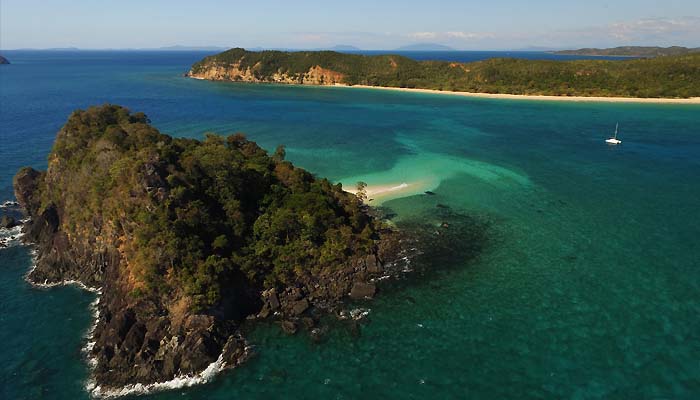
(591, 99)
(379, 193)
(499, 96)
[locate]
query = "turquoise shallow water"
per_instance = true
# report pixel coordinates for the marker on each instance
(586, 285)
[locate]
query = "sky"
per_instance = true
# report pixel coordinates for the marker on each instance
(367, 24)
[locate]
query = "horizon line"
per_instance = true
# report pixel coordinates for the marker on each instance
(338, 48)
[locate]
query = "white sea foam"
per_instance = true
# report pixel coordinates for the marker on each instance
(176, 383)
(136, 389)
(359, 313)
(65, 282)
(46, 285)
(90, 335)
(10, 237)
(9, 204)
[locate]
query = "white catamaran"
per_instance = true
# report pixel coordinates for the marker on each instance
(614, 140)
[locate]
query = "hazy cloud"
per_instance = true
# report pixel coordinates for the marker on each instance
(663, 29)
(423, 35)
(451, 36)
(648, 31)
(683, 31)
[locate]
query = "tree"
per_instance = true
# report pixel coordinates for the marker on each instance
(280, 153)
(361, 191)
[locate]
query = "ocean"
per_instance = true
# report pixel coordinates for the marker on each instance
(580, 278)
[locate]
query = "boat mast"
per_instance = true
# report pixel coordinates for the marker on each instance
(616, 125)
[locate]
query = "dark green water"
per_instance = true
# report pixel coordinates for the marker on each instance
(587, 284)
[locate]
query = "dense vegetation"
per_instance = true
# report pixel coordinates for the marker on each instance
(677, 76)
(190, 216)
(632, 51)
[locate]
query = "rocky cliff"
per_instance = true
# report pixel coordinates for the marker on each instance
(235, 72)
(185, 240)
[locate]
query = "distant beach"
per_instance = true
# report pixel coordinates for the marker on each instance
(378, 193)
(692, 100)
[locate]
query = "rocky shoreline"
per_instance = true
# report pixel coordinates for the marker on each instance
(296, 308)
(139, 347)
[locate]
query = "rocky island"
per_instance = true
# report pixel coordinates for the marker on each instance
(187, 239)
(4, 60)
(663, 77)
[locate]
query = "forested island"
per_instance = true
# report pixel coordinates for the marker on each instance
(186, 239)
(632, 51)
(662, 77)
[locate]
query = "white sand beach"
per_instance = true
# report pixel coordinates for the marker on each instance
(393, 190)
(692, 100)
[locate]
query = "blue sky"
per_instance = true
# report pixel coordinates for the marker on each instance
(374, 24)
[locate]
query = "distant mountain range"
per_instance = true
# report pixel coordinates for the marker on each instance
(631, 51)
(425, 47)
(344, 47)
(190, 48)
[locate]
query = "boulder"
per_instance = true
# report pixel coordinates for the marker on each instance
(264, 312)
(26, 184)
(318, 334)
(272, 300)
(120, 325)
(134, 338)
(362, 290)
(300, 306)
(289, 327)
(373, 265)
(7, 222)
(308, 323)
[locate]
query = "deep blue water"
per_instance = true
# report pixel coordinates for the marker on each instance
(588, 286)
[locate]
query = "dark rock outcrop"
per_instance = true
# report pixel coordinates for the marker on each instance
(26, 186)
(362, 290)
(3, 60)
(7, 222)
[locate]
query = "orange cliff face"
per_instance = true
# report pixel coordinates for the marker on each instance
(314, 76)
